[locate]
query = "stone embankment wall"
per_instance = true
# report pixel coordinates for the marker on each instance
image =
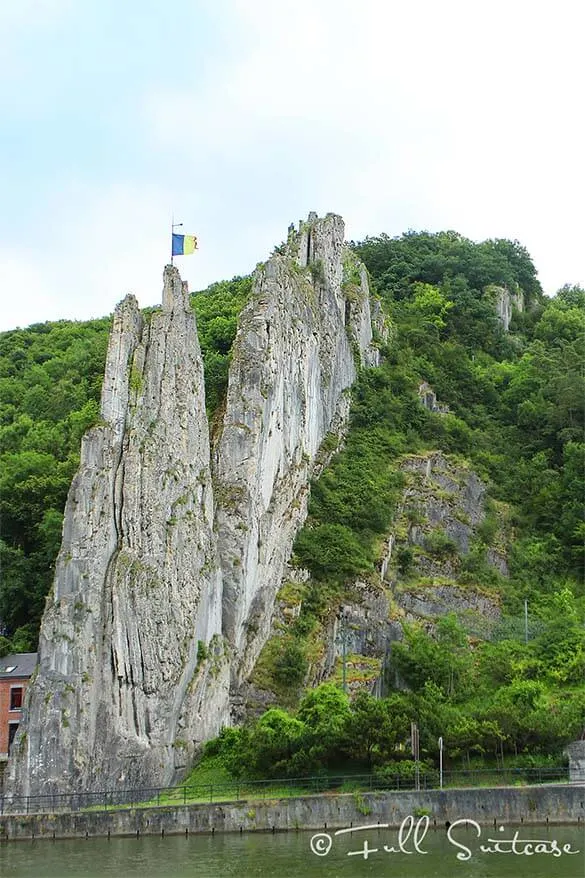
(576, 754)
(507, 805)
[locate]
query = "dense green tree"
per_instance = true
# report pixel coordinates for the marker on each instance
(445, 660)
(375, 728)
(272, 743)
(217, 309)
(290, 666)
(332, 551)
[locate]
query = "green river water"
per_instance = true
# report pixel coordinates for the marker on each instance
(285, 855)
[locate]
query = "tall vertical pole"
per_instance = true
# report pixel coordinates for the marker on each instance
(342, 638)
(174, 226)
(344, 655)
(441, 762)
(414, 746)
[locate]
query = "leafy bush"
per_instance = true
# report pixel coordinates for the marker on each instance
(331, 551)
(290, 666)
(438, 543)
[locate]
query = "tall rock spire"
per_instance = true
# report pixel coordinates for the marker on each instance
(137, 584)
(300, 341)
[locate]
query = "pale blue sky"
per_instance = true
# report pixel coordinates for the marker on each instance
(241, 117)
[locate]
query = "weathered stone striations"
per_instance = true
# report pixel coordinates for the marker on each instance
(294, 356)
(137, 581)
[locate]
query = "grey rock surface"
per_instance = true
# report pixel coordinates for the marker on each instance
(428, 398)
(576, 753)
(505, 302)
(293, 359)
(121, 696)
(446, 500)
(436, 601)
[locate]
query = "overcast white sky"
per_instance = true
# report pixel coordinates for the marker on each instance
(241, 117)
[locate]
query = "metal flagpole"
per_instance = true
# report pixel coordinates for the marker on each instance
(174, 226)
(414, 745)
(343, 637)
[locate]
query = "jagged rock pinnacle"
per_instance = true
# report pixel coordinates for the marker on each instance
(175, 291)
(137, 581)
(292, 360)
(124, 338)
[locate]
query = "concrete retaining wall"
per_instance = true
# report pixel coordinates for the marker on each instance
(576, 754)
(507, 805)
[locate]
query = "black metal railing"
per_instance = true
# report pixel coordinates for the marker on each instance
(243, 790)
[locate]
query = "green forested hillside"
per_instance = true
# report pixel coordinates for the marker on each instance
(516, 417)
(517, 399)
(50, 382)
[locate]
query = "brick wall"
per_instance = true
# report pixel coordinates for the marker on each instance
(8, 716)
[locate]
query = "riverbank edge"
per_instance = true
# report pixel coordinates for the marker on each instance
(550, 804)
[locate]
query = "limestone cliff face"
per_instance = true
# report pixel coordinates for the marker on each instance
(122, 691)
(505, 302)
(420, 577)
(298, 343)
(166, 578)
(437, 527)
